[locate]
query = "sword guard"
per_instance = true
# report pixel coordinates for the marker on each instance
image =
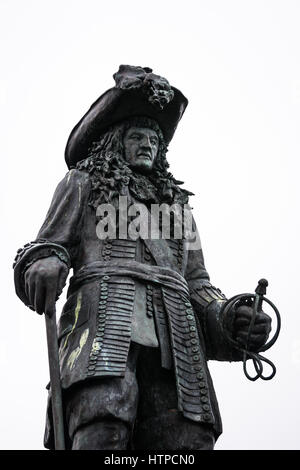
(256, 299)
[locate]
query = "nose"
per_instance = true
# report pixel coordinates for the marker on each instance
(146, 143)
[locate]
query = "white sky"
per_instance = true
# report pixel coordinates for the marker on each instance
(237, 148)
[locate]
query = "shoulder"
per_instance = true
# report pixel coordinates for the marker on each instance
(74, 182)
(74, 179)
(76, 176)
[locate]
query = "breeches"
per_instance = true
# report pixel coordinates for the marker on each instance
(137, 411)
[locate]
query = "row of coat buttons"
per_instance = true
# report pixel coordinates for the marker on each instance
(197, 367)
(180, 253)
(101, 326)
(149, 302)
(106, 252)
(147, 255)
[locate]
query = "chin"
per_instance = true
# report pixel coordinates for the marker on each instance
(143, 168)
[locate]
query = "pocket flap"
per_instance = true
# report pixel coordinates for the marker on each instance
(75, 313)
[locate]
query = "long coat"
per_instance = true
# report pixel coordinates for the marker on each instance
(131, 290)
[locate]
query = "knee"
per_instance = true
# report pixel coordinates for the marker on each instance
(102, 435)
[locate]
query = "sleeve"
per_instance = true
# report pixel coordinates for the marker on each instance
(60, 232)
(208, 303)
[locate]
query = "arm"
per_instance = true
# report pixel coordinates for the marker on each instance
(209, 305)
(208, 302)
(42, 266)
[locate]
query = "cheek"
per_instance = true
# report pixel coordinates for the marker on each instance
(129, 151)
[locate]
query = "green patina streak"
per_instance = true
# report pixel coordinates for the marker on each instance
(69, 176)
(75, 354)
(77, 310)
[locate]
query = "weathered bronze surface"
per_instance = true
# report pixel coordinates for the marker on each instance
(142, 318)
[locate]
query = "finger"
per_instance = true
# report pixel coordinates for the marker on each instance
(256, 328)
(244, 310)
(263, 318)
(246, 316)
(242, 322)
(243, 336)
(62, 280)
(261, 328)
(26, 284)
(254, 342)
(31, 291)
(242, 341)
(257, 341)
(39, 298)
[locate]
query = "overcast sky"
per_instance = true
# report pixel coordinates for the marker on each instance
(237, 148)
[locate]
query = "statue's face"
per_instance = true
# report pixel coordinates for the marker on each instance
(140, 148)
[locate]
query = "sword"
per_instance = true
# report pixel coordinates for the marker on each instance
(256, 300)
(54, 369)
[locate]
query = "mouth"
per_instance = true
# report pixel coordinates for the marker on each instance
(145, 155)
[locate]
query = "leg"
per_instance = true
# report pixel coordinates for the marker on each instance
(104, 435)
(171, 431)
(159, 425)
(100, 413)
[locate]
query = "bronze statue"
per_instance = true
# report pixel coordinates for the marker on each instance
(142, 317)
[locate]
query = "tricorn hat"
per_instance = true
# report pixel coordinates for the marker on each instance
(138, 92)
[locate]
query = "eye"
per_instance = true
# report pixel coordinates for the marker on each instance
(135, 137)
(154, 141)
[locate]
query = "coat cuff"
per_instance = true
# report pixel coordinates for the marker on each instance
(210, 305)
(30, 253)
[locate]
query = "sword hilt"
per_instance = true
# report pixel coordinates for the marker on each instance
(256, 300)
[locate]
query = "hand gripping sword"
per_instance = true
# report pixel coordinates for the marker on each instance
(256, 300)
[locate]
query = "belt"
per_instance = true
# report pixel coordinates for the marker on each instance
(159, 275)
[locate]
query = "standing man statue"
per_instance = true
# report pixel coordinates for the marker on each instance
(141, 319)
